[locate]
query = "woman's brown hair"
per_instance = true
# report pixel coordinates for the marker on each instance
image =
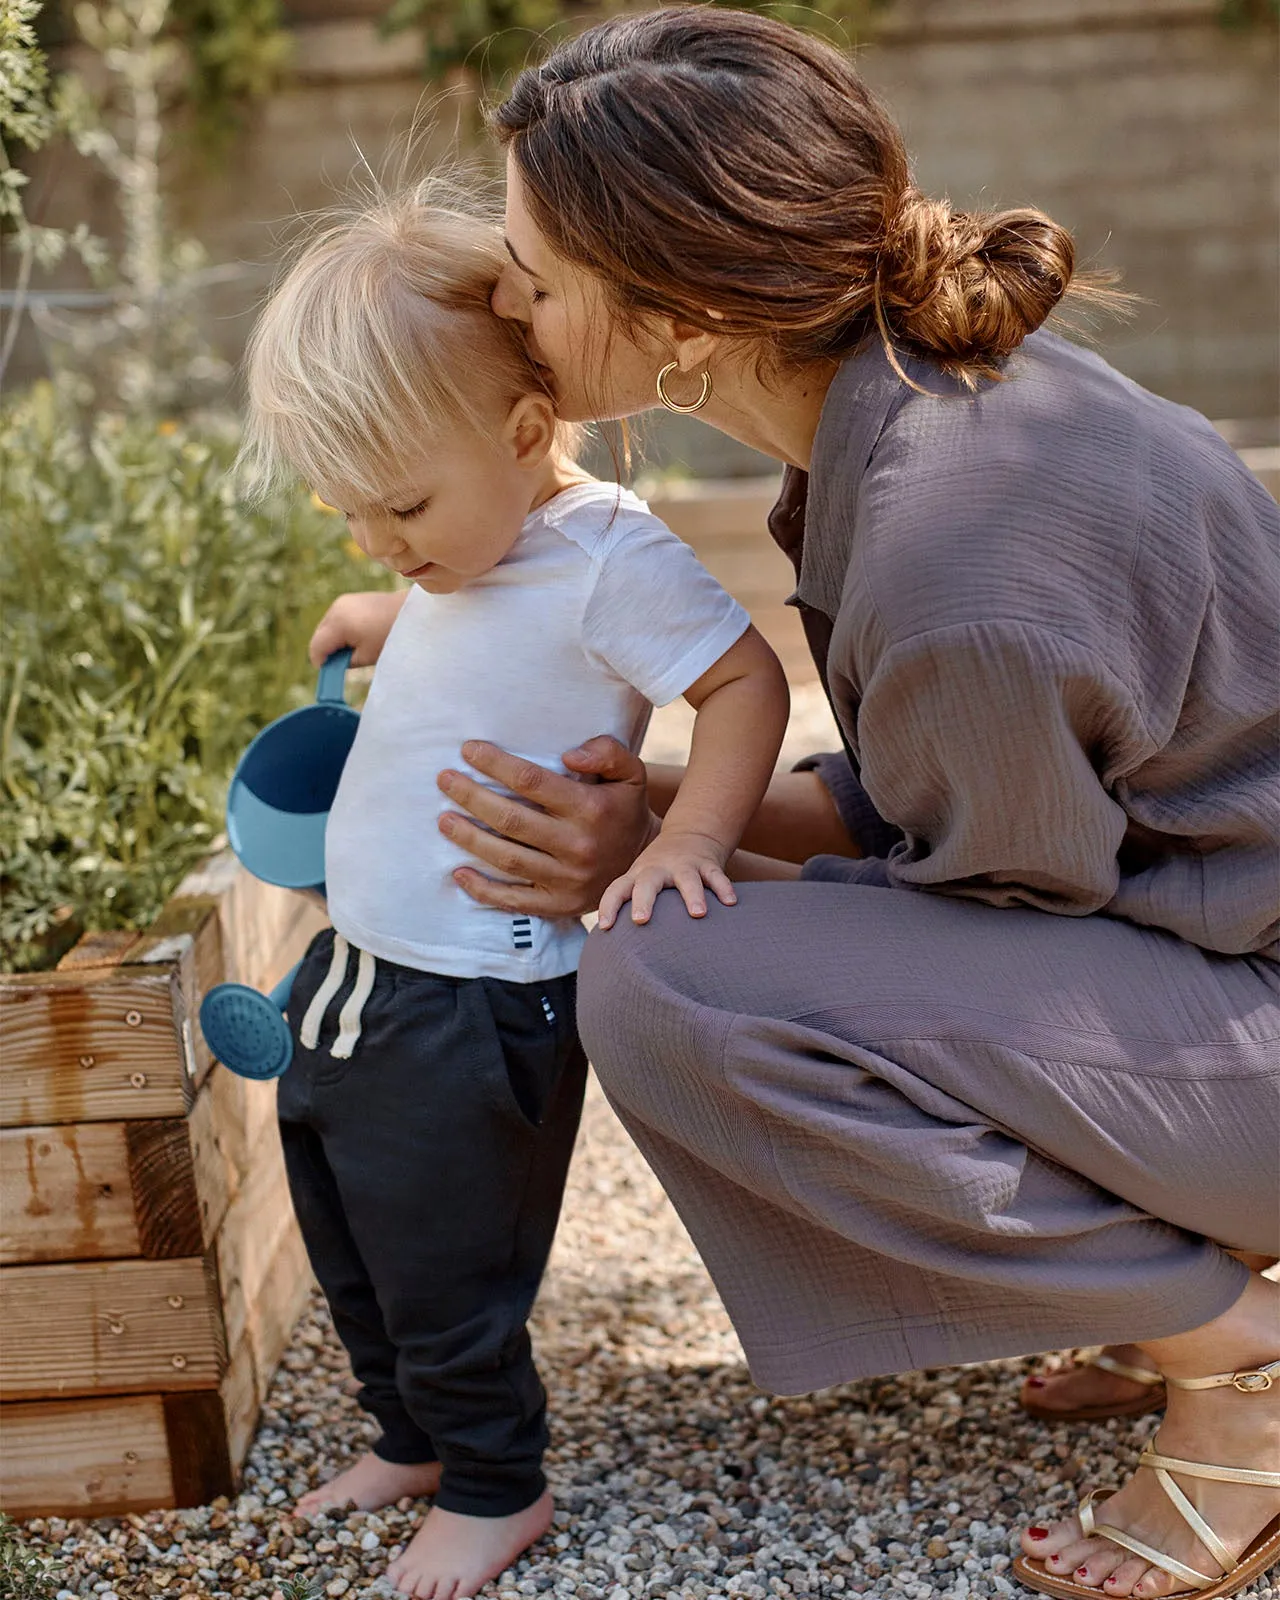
(737, 173)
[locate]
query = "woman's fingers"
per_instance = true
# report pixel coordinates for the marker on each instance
(504, 855)
(576, 837)
(505, 820)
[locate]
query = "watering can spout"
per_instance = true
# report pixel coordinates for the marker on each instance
(246, 1030)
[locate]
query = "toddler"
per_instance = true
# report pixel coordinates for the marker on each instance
(431, 1108)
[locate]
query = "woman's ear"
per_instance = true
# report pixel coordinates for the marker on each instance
(692, 348)
(531, 429)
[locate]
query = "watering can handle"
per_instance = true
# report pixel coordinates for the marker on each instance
(333, 677)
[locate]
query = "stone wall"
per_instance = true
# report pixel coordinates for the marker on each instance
(1144, 125)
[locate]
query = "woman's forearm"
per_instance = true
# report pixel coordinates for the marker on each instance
(796, 819)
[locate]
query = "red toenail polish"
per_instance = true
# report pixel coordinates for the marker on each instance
(1035, 1383)
(1037, 1533)
(1082, 1572)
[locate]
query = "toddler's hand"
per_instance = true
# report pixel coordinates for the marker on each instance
(361, 621)
(690, 862)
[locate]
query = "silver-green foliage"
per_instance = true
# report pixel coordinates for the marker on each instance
(150, 623)
(23, 1575)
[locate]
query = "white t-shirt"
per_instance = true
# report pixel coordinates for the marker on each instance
(597, 614)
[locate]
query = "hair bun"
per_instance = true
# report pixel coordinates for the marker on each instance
(967, 287)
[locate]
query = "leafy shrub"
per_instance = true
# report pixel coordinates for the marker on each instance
(150, 623)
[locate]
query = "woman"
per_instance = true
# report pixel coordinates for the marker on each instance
(999, 1072)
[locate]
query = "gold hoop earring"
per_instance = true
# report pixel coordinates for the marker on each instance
(674, 405)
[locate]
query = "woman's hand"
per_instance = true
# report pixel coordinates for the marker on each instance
(689, 862)
(565, 840)
(360, 622)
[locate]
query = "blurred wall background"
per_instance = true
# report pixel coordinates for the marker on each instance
(1148, 127)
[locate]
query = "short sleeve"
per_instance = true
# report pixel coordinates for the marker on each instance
(655, 616)
(993, 746)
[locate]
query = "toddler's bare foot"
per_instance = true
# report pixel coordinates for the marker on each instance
(371, 1484)
(452, 1555)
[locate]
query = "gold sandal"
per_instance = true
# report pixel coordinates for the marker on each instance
(1238, 1571)
(1139, 1406)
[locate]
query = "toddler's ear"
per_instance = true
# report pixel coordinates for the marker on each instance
(531, 429)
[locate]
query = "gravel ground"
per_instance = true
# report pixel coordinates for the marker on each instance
(673, 1475)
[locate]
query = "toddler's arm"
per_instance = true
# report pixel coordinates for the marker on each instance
(742, 705)
(359, 621)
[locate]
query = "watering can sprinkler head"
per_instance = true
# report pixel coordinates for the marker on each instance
(246, 1030)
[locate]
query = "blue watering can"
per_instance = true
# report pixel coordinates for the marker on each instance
(285, 783)
(277, 808)
(246, 1030)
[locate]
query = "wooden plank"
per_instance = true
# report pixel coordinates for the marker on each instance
(93, 1191)
(162, 1179)
(65, 1193)
(196, 1432)
(119, 1327)
(250, 1239)
(214, 1131)
(241, 1405)
(95, 1046)
(84, 1458)
(99, 950)
(278, 1305)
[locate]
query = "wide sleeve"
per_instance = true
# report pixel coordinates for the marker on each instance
(868, 830)
(994, 746)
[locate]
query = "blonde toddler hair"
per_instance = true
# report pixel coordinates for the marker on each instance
(378, 335)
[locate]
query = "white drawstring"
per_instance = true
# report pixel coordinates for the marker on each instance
(349, 1016)
(309, 1032)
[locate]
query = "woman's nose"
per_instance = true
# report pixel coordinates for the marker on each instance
(506, 299)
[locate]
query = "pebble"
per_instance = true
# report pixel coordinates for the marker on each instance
(674, 1478)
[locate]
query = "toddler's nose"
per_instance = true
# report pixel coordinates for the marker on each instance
(378, 540)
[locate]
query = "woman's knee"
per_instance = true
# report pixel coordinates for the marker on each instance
(637, 1024)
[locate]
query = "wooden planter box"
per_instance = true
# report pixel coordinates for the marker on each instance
(150, 1266)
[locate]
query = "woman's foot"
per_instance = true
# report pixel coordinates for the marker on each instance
(1087, 1391)
(1221, 1426)
(370, 1484)
(452, 1555)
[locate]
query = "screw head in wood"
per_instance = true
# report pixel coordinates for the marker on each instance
(177, 1302)
(178, 1361)
(138, 1080)
(114, 1325)
(88, 1061)
(133, 1019)
(131, 1456)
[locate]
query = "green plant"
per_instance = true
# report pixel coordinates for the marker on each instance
(150, 623)
(236, 50)
(32, 110)
(299, 1588)
(23, 1575)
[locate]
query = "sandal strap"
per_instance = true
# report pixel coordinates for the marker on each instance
(1202, 1530)
(1256, 1380)
(1122, 1369)
(1202, 1469)
(1157, 1558)
(1084, 1511)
